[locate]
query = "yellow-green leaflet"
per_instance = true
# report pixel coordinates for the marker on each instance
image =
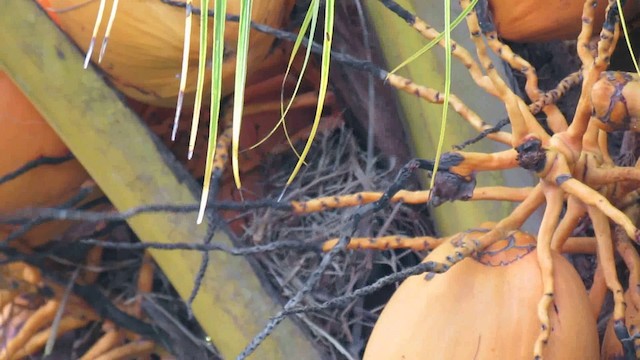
(433, 42)
(96, 26)
(240, 80)
(105, 39)
(447, 86)
(202, 61)
(324, 81)
(216, 97)
(311, 18)
(186, 48)
(626, 36)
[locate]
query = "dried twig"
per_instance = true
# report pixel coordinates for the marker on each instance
(56, 320)
(197, 282)
(50, 214)
(30, 223)
(309, 284)
(41, 161)
(502, 123)
(370, 289)
(212, 246)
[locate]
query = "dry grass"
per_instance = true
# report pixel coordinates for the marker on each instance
(337, 167)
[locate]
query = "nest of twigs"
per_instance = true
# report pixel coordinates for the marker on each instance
(338, 166)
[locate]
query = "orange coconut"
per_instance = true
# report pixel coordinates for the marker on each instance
(143, 58)
(25, 137)
(486, 308)
(533, 21)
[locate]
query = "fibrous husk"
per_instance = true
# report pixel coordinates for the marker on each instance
(144, 54)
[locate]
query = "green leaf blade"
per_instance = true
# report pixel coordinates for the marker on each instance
(324, 82)
(437, 39)
(240, 81)
(310, 20)
(216, 98)
(202, 61)
(447, 87)
(626, 36)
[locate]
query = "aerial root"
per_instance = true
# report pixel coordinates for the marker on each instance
(552, 96)
(555, 200)
(572, 245)
(592, 198)
(555, 119)
(430, 33)
(598, 291)
(500, 193)
(574, 212)
(434, 96)
(606, 254)
(522, 123)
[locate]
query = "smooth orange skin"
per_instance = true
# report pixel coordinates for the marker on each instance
(26, 136)
(611, 346)
(538, 21)
(475, 311)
